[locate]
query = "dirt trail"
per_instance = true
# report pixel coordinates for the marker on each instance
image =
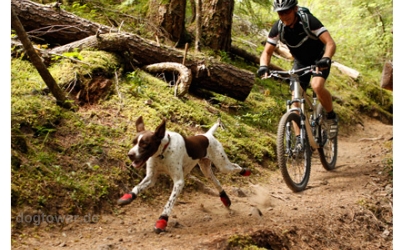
(348, 208)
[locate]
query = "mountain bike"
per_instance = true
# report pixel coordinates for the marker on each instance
(309, 117)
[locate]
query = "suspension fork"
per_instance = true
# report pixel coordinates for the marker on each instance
(288, 141)
(307, 126)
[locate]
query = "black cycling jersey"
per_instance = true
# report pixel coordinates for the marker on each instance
(305, 52)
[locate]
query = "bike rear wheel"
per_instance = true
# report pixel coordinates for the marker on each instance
(329, 147)
(294, 163)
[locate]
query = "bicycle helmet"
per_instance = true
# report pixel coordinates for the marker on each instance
(280, 5)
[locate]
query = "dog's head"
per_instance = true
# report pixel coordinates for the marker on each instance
(146, 143)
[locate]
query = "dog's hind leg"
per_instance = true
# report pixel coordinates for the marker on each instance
(162, 221)
(218, 156)
(205, 167)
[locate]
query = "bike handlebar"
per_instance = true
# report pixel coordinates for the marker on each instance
(290, 73)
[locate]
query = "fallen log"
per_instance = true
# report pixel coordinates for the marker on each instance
(55, 25)
(283, 51)
(207, 73)
(346, 70)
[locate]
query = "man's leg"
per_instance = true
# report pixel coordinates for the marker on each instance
(325, 98)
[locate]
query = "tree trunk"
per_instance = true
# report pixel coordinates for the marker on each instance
(207, 73)
(387, 76)
(217, 18)
(38, 63)
(170, 17)
(197, 43)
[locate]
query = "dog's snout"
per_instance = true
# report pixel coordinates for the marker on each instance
(131, 156)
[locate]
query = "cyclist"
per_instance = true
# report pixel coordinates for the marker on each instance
(306, 51)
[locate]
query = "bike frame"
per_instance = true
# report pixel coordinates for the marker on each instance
(301, 98)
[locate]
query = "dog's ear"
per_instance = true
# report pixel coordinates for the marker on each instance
(160, 130)
(139, 124)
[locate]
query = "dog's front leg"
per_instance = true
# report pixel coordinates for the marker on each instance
(148, 181)
(162, 222)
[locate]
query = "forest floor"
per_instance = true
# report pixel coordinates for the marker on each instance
(350, 207)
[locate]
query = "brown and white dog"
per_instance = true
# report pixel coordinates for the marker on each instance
(170, 153)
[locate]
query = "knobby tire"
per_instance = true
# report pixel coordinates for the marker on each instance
(295, 165)
(329, 150)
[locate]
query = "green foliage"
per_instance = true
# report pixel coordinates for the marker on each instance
(254, 11)
(74, 54)
(225, 57)
(239, 240)
(129, 14)
(137, 81)
(362, 31)
(244, 242)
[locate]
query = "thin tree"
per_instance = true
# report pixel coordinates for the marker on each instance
(198, 25)
(61, 99)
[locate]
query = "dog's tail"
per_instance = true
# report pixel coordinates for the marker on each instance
(215, 126)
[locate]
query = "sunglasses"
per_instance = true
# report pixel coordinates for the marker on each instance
(285, 12)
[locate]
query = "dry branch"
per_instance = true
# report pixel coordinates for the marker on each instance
(185, 75)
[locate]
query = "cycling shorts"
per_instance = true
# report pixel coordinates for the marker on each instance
(305, 79)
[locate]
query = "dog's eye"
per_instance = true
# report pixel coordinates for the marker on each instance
(143, 144)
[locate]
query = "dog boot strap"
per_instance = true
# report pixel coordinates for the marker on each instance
(225, 199)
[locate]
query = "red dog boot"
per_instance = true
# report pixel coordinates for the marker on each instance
(225, 199)
(161, 224)
(126, 199)
(245, 172)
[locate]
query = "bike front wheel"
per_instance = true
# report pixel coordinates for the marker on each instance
(294, 161)
(329, 147)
